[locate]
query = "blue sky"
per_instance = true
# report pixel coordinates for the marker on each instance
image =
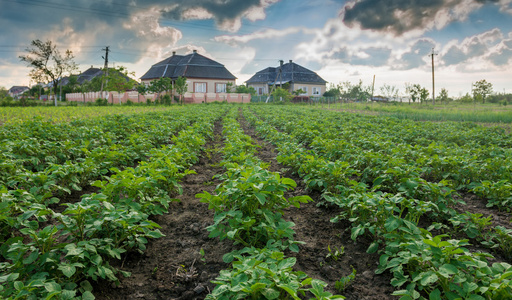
(340, 40)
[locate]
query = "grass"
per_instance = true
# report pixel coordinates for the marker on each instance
(459, 112)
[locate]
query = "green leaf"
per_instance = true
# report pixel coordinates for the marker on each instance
(447, 269)
(228, 257)
(52, 287)
(289, 181)
(31, 258)
(373, 247)
(435, 295)
(68, 270)
(270, 293)
(428, 278)
(87, 295)
(261, 198)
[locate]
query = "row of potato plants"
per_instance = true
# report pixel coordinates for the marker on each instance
(57, 254)
(249, 205)
(463, 156)
(111, 143)
(385, 168)
(423, 265)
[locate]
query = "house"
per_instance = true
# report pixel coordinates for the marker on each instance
(290, 75)
(203, 74)
(17, 91)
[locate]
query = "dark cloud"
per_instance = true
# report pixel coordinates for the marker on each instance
(221, 10)
(397, 16)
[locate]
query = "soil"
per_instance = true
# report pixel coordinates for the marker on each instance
(173, 268)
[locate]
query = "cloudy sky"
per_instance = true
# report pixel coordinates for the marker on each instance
(340, 40)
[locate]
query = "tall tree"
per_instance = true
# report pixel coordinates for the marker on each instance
(481, 89)
(119, 81)
(47, 63)
(443, 95)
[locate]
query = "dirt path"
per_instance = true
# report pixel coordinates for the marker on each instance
(172, 266)
(313, 226)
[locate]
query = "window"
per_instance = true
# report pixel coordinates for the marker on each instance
(200, 87)
(220, 88)
(316, 91)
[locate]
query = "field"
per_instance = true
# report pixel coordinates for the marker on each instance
(252, 201)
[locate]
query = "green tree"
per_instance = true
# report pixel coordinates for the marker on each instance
(158, 86)
(118, 81)
(413, 90)
(443, 95)
(181, 87)
(423, 93)
(142, 89)
(281, 94)
(481, 89)
(47, 63)
(3, 92)
(242, 89)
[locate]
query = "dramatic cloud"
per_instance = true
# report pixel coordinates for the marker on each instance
(471, 47)
(402, 16)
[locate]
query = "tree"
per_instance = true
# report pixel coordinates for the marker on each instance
(142, 89)
(118, 80)
(281, 94)
(443, 95)
(181, 87)
(481, 89)
(389, 90)
(3, 92)
(423, 93)
(85, 87)
(242, 89)
(47, 63)
(160, 85)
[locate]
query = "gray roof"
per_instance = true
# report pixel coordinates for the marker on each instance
(89, 74)
(192, 65)
(291, 72)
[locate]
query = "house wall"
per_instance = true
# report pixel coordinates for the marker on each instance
(209, 83)
(309, 88)
(297, 85)
(261, 88)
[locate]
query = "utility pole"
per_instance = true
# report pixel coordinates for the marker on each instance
(373, 86)
(433, 84)
(105, 67)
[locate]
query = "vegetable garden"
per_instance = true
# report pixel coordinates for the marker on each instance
(253, 202)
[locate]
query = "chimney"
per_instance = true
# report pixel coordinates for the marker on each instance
(290, 61)
(173, 53)
(195, 51)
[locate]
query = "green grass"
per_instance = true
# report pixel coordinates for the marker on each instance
(481, 113)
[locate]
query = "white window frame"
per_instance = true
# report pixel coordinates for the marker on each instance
(305, 89)
(197, 88)
(316, 90)
(221, 88)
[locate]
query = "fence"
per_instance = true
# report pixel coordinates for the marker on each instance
(117, 98)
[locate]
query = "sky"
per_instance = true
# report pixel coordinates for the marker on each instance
(391, 40)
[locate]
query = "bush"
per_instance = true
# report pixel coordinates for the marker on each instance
(101, 102)
(148, 101)
(129, 102)
(166, 99)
